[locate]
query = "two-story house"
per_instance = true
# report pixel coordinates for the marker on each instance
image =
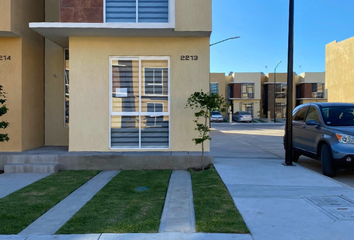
(117, 73)
(244, 92)
(257, 93)
(310, 87)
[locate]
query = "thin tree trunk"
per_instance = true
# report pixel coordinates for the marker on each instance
(205, 123)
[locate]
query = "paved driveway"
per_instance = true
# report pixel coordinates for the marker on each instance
(279, 202)
(254, 141)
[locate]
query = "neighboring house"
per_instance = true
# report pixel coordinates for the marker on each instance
(21, 73)
(310, 87)
(257, 93)
(117, 74)
(244, 92)
(276, 94)
(340, 70)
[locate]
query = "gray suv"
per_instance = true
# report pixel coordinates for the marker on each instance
(325, 131)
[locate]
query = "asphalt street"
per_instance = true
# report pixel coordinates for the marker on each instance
(265, 141)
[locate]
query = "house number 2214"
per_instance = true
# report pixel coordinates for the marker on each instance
(5, 57)
(189, 58)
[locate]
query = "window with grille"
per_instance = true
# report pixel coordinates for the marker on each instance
(280, 90)
(214, 88)
(140, 114)
(137, 11)
(247, 90)
(317, 90)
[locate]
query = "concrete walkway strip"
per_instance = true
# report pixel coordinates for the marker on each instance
(178, 213)
(134, 236)
(11, 182)
(55, 218)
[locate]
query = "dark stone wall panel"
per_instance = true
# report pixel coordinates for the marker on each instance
(236, 88)
(89, 11)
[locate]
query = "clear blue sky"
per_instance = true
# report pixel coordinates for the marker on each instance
(263, 28)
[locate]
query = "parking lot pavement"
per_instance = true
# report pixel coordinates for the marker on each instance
(247, 140)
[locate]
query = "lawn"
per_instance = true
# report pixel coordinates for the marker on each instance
(119, 208)
(215, 211)
(24, 206)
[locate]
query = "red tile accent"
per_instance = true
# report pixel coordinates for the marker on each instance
(92, 15)
(68, 3)
(74, 3)
(66, 14)
(94, 3)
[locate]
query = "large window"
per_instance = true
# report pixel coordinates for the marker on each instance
(139, 102)
(317, 90)
(214, 88)
(280, 90)
(137, 11)
(247, 90)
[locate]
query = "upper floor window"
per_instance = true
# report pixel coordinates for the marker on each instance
(317, 90)
(280, 90)
(137, 11)
(214, 88)
(156, 81)
(247, 90)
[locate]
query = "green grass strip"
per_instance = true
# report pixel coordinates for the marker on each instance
(21, 208)
(215, 211)
(118, 208)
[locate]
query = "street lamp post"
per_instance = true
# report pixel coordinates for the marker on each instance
(290, 81)
(212, 44)
(224, 40)
(275, 70)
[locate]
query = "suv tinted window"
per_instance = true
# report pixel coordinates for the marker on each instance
(313, 114)
(300, 116)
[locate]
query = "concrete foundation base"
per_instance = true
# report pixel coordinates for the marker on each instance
(106, 160)
(31, 168)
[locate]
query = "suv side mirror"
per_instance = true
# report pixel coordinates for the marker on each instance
(312, 122)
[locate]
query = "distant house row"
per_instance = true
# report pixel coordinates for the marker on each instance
(258, 93)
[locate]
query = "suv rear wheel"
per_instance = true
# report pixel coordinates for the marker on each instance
(326, 161)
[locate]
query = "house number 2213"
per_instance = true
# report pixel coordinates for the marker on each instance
(189, 58)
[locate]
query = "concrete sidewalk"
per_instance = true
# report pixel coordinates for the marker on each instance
(283, 202)
(11, 182)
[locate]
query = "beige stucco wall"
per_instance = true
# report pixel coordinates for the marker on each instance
(52, 10)
(56, 134)
(23, 77)
(250, 78)
(23, 12)
(89, 86)
(10, 75)
(340, 71)
(193, 15)
(313, 77)
(220, 79)
(5, 16)
(280, 77)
